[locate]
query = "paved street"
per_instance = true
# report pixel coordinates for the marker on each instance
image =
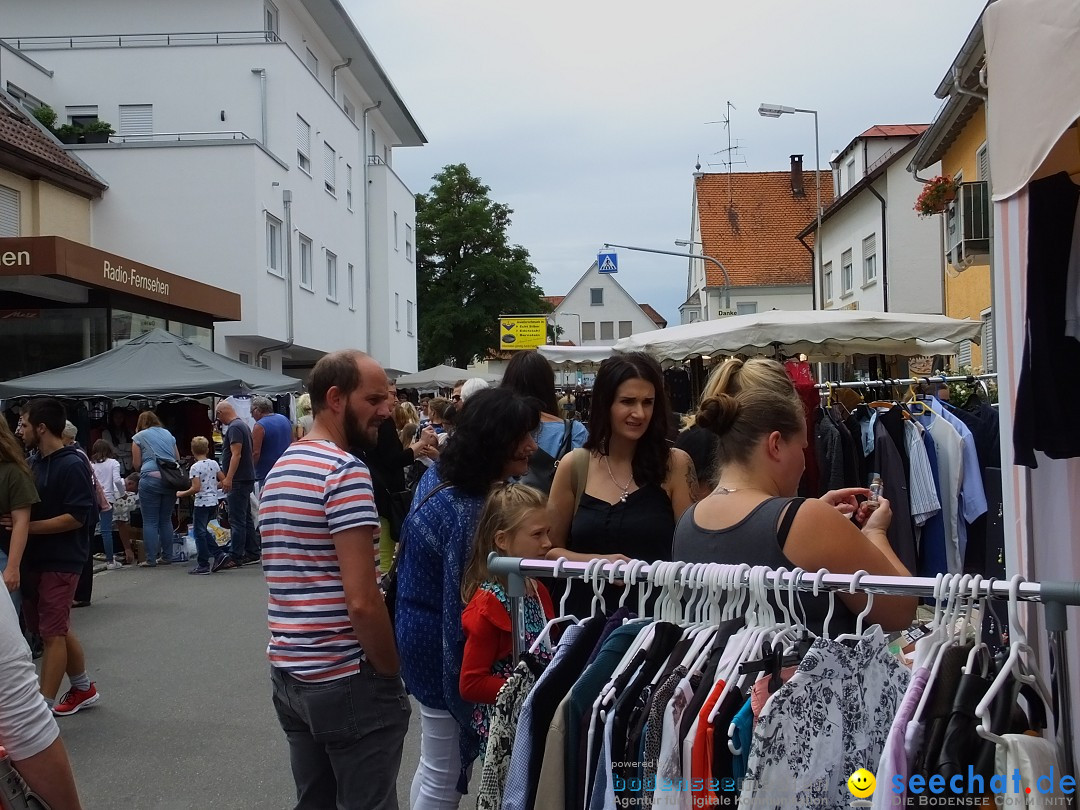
(185, 719)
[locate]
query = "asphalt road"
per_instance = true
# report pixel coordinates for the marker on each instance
(185, 718)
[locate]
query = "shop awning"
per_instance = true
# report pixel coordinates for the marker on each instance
(157, 365)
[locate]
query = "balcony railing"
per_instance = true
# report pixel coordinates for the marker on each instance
(220, 135)
(52, 43)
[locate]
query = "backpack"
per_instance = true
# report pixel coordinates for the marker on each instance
(542, 465)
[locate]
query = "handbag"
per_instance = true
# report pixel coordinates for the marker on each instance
(398, 504)
(542, 465)
(172, 474)
(390, 578)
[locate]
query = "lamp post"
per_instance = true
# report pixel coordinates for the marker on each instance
(775, 111)
(723, 270)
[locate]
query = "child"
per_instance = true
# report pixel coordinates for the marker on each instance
(205, 475)
(107, 472)
(514, 523)
(123, 506)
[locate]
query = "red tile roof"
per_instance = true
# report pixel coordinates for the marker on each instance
(894, 130)
(752, 231)
(654, 316)
(26, 150)
(554, 300)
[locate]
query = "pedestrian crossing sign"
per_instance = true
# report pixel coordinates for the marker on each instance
(607, 261)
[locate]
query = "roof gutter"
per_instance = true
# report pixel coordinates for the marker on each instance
(813, 287)
(884, 250)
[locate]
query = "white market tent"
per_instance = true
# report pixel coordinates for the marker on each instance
(441, 377)
(576, 355)
(819, 334)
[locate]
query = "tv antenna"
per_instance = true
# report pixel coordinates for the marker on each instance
(729, 156)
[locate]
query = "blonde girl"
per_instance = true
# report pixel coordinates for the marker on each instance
(514, 524)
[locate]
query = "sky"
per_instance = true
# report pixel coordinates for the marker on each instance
(587, 117)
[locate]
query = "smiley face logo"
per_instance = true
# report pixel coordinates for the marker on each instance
(861, 783)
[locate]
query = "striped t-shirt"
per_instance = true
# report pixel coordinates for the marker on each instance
(315, 490)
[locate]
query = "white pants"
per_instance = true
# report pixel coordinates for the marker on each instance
(434, 786)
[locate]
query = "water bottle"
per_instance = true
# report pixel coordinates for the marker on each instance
(14, 793)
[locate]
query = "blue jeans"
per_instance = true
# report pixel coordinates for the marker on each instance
(105, 522)
(205, 543)
(16, 595)
(241, 527)
(156, 504)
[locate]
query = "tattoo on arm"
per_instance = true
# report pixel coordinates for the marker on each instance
(691, 477)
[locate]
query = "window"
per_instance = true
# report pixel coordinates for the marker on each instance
(244, 357)
(607, 330)
(588, 331)
(270, 21)
(409, 318)
(352, 287)
(303, 145)
(29, 102)
(596, 296)
(82, 115)
(9, 212)
(305, 263)
(273, 245)
(982, 163)
(828, 281)
(331, 276)
(397, 312)
(869, 259)
(348, 186)
(963, 354)
(330, 168)
(408, 243)
(136, 119)
(746, 308)
(846, 273)
(349, 107)
(264, 362)
(849, 174)
(988, 349)
(395, 232)
(626, 328)
(312, 62)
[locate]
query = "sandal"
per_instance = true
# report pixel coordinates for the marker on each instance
(79, 604)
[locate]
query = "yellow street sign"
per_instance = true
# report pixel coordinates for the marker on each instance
(522, 333)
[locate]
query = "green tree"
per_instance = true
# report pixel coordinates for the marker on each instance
(467, 273)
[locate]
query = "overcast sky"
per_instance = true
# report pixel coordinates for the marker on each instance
(587, 117)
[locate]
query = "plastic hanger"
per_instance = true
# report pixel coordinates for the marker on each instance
(947, 631)
(545, 633)
(856, 578)
(631, 578)
(818, 578)
(593, 571)
(1020, 664)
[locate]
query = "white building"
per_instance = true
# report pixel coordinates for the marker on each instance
(598, 311)
(215, 131)
(877, 254)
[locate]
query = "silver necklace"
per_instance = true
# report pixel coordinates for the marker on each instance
(625, 489)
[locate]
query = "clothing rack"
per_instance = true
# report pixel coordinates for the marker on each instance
(942, 378)
(1053, 595)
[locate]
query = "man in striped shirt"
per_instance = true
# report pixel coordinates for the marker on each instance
(333, 661)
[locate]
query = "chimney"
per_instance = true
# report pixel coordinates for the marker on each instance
(797, 188)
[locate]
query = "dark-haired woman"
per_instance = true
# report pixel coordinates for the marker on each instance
(636, 486)
(753, 515)
(492, 441)
(530, 375)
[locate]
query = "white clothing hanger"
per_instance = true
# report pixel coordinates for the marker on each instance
(948, 637)
(631, 578)
(818, 578)
(545, 633)
(856, 578)
(593, 572)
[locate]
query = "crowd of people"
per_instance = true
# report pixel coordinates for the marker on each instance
(369, 484)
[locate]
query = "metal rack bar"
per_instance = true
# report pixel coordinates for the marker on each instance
(1054, 595)
(968, 378)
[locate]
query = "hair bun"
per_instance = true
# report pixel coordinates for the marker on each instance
(719, 413)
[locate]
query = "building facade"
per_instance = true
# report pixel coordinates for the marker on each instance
(597, 311)
(255, 155)
(749, 222)
(877, 254)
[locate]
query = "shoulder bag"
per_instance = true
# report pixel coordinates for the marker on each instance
(542, 465)
(390, 578)
(172, 474)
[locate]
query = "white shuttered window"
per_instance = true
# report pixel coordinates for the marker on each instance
(9, 212)
(988, 353)
(303, 144)
(869, 258)
(330, 167)
(136, 119)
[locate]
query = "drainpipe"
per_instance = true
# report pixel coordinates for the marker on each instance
(813, 287)
(286, 196)
(261, 73)
(884, 251)
(367, 226)
(333, 76)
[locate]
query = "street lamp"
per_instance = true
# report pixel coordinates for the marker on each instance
(723, 270)
(775, 111)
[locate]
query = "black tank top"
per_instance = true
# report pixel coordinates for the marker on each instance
(758, 539)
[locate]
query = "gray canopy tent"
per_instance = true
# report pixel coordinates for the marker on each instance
(157, 365)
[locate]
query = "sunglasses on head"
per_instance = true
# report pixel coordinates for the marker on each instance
(456, 397)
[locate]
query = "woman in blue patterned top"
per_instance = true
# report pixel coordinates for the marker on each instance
(492, 442)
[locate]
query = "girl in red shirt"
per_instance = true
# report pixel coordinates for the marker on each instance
(514, 523)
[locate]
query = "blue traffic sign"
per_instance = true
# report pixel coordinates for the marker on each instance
(607, 261)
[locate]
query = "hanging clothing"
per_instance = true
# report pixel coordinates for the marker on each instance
(933, 557)
(889, 462)
(925, 502)
(501, 732)
(1033, 757)
(894, 762)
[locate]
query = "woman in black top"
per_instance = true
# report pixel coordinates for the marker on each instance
(753, 517)
(636, 486)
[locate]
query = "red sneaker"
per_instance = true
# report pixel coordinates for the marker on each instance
(75, 700)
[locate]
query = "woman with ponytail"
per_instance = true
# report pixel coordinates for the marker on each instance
(753, 516)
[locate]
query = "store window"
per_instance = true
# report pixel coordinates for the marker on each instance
(41, 339)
